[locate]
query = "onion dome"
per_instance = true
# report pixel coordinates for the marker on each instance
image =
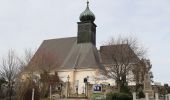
(87, 15)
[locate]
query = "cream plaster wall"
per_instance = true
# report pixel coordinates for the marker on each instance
(77, 78)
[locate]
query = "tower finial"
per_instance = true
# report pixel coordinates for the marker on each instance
(87, 3)
(87, 15)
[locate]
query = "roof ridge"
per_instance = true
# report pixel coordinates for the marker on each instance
(59, 38)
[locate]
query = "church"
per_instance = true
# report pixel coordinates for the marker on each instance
(74, 58)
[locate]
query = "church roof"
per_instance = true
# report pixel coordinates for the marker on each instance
(119, 53)
(68, 54)
(59, 47)
(83, 55)
(53, 49)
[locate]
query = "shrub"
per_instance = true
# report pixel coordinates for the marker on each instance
(97, 96)
(109, 96)
(118, 96)
(141, 94)
(123, 96)
(125, 89)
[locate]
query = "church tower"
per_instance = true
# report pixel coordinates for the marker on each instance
(87, 27)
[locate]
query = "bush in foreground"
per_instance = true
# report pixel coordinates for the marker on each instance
(98, 96)
(141, 94)
(118, 96)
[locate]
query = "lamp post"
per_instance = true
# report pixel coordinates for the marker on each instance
(83, 89)
(50, 92)
(85, 82)
(77, 83)
(68, 77)
(60, 89)
(33, 90)
(86, 85)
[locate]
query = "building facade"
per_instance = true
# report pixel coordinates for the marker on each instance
(74, 58)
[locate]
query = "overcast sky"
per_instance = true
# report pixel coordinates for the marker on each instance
(26, 23)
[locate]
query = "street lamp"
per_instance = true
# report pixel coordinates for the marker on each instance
(33, 90)
(68, 77)
(86, 85)
(77, 83)
(60, 88)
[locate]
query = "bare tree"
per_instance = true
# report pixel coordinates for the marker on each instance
(142, 73)
(25, 90)
(9, 70)
(120, 57)
(48, 80)
(25, 59)
(46, 62)
(2, 82)
(43, 60)
(142, 68)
